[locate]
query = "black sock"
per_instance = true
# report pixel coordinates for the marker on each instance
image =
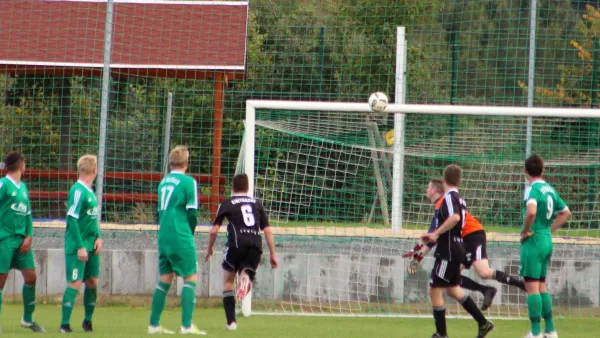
(469, 284)
(469, 305)
(229, 305)
(439, 315)
(507, 279)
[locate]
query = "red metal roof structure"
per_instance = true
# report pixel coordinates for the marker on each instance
(180, 39)
(158, 38)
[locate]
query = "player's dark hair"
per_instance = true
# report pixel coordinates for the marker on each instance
(534, 165)
(452, 174)
(13, 161)
(437, 184)
(240, 183)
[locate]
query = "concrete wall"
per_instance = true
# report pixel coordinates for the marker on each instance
(325, 278)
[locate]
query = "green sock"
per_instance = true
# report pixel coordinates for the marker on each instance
(534, 306)
(158, 302)
(188, 303)
(89, 302)
(68, 303)
(0, 300)
(28, 302)
(547, 312)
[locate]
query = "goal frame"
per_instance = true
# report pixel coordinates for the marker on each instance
(397, 110)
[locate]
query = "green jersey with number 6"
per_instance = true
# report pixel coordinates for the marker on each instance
(177, 193)
(15, 209)
(548, 204)
(82, 206)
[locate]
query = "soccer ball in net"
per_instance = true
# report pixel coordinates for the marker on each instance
(378, 102)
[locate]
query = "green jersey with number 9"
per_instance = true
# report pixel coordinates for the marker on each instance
(548, 204)
(177, 193)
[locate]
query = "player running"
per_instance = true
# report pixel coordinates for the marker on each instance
(450, 254)
(545, 212)
(16, 229)
(247, 218)
(82, 245)
(178, 214)
(474, 238)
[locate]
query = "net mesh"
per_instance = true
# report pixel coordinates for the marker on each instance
(326, 176)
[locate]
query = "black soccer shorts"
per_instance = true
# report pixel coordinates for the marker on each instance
(475, 247)
(242, 259)
(445, 274)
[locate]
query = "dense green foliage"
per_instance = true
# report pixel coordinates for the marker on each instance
(460, 51)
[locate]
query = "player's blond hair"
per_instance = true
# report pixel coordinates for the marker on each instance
(179, 157)
(86, 164)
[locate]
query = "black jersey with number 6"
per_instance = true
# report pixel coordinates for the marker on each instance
(246, 217)
(450, 244)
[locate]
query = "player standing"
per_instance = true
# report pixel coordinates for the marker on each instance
(475, 241)
(545, 212)
(82, 245)
(16, 229)
(247, 218)
(178, 214)
(449, 254)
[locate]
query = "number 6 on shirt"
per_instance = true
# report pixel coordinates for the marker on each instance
(248, 215)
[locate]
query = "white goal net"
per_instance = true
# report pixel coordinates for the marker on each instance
(325, 173)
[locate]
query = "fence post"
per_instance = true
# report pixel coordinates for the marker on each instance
(104, 106)
(531, 72)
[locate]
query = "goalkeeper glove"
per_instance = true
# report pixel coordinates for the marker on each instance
(412, 252)
(416, 258)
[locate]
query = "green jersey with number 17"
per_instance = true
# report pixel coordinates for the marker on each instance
(177, 193)
(15, 209)
(548, 204)
(83, 206)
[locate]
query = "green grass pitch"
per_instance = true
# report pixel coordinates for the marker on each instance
(118, 321)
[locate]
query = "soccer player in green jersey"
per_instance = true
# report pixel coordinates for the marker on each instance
(545, 212)
(178, 214)
(16, 229)
(82, 245)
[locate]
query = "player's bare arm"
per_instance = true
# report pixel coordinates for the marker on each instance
(98, 246)
(25, 245)
(212, 238)
(271, 244)
(560, 219)
(450, 223)
(529, 218)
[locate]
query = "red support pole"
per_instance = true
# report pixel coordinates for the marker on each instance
(217, 141)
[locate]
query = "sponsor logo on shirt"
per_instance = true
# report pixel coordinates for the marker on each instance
(92, 212)
(20, 208)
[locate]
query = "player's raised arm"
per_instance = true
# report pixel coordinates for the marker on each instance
(450, 206)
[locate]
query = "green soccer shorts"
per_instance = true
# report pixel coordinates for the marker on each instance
(78, 270)
(10, 258)
(536, 252)
(181, 261)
